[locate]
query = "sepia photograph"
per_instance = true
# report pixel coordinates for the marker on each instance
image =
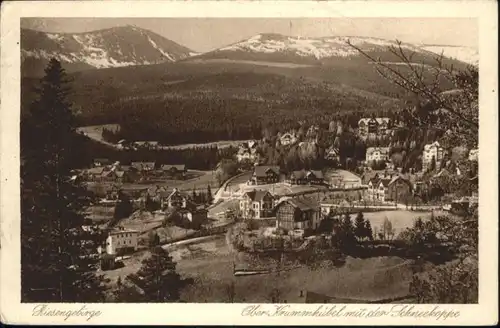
(261, 160)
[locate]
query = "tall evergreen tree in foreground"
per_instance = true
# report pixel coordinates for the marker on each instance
(158, 277)
(55, 261)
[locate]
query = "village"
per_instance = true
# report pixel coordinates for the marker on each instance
(279, 166)
(141, 204)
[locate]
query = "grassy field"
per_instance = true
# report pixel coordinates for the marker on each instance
(211, 266)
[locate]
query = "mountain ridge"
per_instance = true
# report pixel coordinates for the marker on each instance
(111, 47)
(324, 48)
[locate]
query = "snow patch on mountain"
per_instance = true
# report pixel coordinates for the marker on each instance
(114, 47)
(337, 46)
(314, 47)
(166, 54)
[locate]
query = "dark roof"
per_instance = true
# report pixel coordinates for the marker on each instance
(120, 173)
(156, 189)
(261, 170)
(303, 204)
(143, 165)
(125, 167)
(168, 194)
(385, 182)
(95, 170)
(179, 167)
(257, 195)
(298, 174)
(302, 174)
(317, 173)
(374, 180)
(398, 177)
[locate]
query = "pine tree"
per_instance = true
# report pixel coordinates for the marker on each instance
(194, 196)
(209, 194)
(433, 164)
(123, 208)
(368, 232)
(359, 226)
(158, 277)
(56, 265)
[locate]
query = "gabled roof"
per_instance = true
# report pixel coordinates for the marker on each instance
(120, 174)
(398, 177)
(107, 173)
(371, 150)
(317, 173)
(143, 165)
(288, 135)
(385, 182)
(178, 167)
(443, 172)
(432, 145)
(379, 120)
(168, 195)
(125, 167)
(95, 170)
(257, 195)
(301, 174)
(303, 204)
(374, 180)
(156, 189)
(333, 150)
(261, 170)
(143, 143)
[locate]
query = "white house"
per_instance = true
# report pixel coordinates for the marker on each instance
(473, 155)
(332, 154)
(121, 240)
(432, 151)
(378, 189)
(256, 204)
(247, 152)
(377, 126)
(377, 154)
(288, 139)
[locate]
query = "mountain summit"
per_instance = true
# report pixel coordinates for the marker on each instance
(113, 47)
(277, 47)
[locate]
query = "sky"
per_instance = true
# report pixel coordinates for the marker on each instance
(205, 34)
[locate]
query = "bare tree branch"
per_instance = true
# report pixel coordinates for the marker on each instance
(418, 84)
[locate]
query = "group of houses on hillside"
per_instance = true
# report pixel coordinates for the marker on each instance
(105, 170)
(247, 152)
(389, 188)
(433, 155)
(291, 214)
(138, 145)
(270, 174)
(374, 127)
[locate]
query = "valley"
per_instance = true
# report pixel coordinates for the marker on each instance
(274, 169)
